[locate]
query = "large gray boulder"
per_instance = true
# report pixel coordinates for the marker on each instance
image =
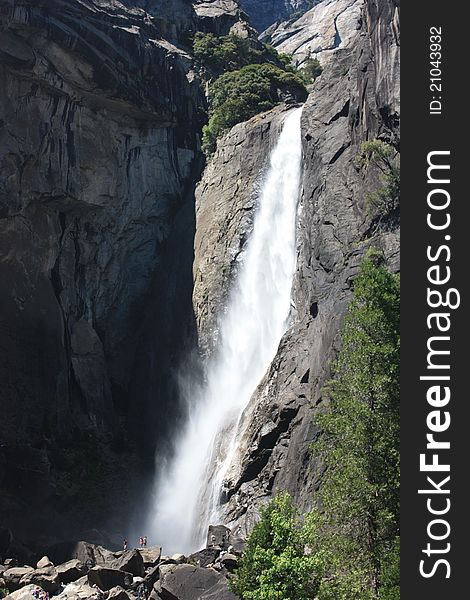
(44, 562)
(150, 555)
(204, 557)
(70, 571)
(218, 536)
(220, 591)
(78, 590)
(186, 582)
(13, 576)
(24, 593)
(130, 561)
(46, 578)
(106, 578)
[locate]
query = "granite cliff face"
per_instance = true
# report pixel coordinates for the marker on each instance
(355, 99)
(100, 118)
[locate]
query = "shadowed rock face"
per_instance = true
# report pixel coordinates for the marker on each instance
(263, 13)
(356, 98)
(99, 146)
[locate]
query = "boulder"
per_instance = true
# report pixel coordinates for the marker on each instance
(218, 536)
(13, 576)
(47, 579)
(10, 562)
(229, 561)
(118, 593)
(178, 558)
(78, 590)
(25, 593)
(237, 546)
(150, 555)
(70, 571)
(82, 551)
(220, 591)
(186, 582)
(106, 578)
(205, 557)
(44, 562)
(130, 561)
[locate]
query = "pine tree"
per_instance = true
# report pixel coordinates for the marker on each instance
(357, 529)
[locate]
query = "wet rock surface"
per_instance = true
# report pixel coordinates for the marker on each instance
(225, 200)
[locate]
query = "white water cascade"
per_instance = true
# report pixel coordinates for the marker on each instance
(187, 497)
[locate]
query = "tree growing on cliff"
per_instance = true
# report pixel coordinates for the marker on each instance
(274, 565)
(232, 52)
(239, 95)
(384, 201)
(357, 531)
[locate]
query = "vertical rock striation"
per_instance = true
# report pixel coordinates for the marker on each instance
(99, 148)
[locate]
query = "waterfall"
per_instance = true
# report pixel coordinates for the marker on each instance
(188, 492)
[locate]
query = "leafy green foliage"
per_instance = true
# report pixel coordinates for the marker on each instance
(239, 95)
(356, 533)
(274, 566)
(310, 70)
(385, 200)
(390, 575)
(232, 52)
(4, 592)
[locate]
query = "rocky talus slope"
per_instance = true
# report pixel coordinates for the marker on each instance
(355, 99)
(83, 570)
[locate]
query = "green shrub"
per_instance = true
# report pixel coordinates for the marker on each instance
(232, 52)
(390, 575)
(310, 70)
(274, 566)
(3, 592)
(384, 201)
(239, 95)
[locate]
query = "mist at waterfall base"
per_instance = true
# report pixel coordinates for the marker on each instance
(188, 487)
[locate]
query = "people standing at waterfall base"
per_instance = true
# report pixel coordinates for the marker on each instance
(141, 541)
(124, 545)
(145, 541)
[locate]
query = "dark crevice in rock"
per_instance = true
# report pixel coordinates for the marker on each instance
(344, 112)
